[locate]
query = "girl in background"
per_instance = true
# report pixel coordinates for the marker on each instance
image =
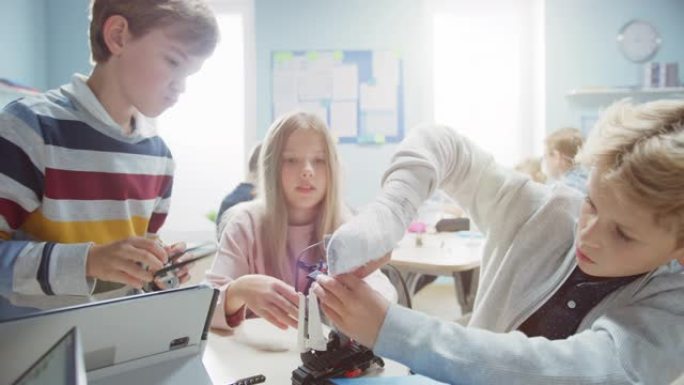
(262, 242)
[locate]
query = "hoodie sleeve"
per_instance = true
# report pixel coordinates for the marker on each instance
(28, 267)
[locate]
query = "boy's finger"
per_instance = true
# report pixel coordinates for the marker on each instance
(176, 248)
(185, 278)
(327, 298)
(151, 246)
(350, 281)
(122, 277)
(334, 287)
(133, 270)
(145, 258)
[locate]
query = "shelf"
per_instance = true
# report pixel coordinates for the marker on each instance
(666, 91)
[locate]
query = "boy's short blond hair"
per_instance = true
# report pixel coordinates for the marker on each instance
(639, 149)
(567, 141)
(193, 20)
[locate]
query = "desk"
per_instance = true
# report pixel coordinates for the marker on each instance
(447, 254)
(257, 347)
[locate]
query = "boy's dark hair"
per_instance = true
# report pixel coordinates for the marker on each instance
(193, 19)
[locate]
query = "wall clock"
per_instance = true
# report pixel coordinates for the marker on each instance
(639, 41)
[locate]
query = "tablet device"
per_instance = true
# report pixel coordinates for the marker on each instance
(62, 364)
(117, 334)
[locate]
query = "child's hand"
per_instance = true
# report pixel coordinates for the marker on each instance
(183, 273)
(131, 261)
(269, 298)
(352, 305)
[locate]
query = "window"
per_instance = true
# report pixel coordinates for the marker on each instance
(206, 130)
(484, 78)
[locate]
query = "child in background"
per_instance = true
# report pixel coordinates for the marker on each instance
(262, 241)
(533, 168)
(573, 290)
(245, 191)
(85, 179)
(558, 163)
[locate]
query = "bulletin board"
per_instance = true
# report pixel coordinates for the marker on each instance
(360, 94)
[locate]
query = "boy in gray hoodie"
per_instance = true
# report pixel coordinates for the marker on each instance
(573, 289)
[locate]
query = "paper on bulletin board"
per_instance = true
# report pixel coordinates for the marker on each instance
(382, 123)
(282, 108)
(316, 108)
(343, 118)
(285, 87)
(386, 68)
(345, 83)
(378, 97)
(330, 83)
(315, 84)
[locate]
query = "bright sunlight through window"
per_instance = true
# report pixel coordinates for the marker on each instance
(477, 80)
(205, 132)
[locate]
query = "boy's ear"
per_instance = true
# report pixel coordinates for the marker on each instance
(115, 33)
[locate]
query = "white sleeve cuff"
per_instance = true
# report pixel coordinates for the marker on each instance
(67, 274)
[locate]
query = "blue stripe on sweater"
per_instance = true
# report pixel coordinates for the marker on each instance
(19, 167)
(24, 113)
(77, 135)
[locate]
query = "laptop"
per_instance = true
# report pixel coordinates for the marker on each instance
(150, 338)
(62, 364)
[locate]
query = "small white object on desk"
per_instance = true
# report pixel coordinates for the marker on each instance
(310, 328)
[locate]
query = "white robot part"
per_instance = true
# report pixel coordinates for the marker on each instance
(310, 328)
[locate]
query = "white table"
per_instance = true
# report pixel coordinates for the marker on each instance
(257, 347)
(448, 254)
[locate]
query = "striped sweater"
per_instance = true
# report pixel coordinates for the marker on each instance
(70, 177)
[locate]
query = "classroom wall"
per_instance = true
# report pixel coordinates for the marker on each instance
(44, 42)
(398, 25)
(67, 40)
(581, 50)
(22, 42)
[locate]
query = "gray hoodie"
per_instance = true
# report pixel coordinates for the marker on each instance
(634, 336)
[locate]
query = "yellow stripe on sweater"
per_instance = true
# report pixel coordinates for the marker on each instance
(99, 232)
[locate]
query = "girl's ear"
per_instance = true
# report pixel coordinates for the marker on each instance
(115, 33)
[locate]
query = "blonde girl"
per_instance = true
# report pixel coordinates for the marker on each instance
(262, 242)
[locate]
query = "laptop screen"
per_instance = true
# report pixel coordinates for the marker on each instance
(62, 364)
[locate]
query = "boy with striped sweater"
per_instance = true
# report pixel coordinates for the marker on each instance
(85, 181)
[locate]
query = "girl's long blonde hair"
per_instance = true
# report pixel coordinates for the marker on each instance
(271, 191)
